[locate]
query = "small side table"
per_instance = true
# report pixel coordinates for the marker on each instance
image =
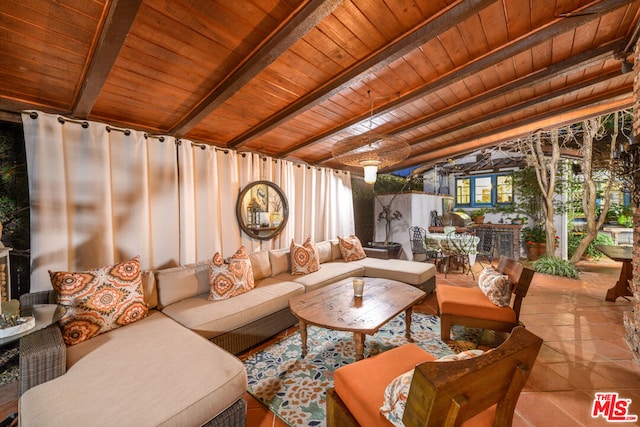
(44, 314)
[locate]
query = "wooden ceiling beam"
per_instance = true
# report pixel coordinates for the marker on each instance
(116, 26)
(295, 28)
(572, 64)
(619, 99)
(541, 34)
(456, 13)
(522, 105)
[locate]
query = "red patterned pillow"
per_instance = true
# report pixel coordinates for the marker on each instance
(99, 300)
(304, 258)
(351, 248)
(231, 277)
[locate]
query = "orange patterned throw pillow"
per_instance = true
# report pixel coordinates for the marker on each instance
(351, 248)
(304, 258)
(99, 300)
(231, 277)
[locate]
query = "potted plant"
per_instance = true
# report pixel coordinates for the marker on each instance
(477, 215)
(535, 239)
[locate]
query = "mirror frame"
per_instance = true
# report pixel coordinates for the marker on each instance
(261, 233)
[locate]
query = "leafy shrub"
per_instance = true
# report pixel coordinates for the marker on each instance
(555, 266)
(591, 252)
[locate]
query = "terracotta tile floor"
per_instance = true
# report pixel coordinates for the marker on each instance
(583, 352)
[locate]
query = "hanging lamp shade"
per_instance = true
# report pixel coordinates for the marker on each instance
(371, 151)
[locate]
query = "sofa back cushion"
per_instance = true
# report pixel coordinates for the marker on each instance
(279, 261)
(261, 265)
(335, 250)
(149, 288)
(177, 283)
(324, 251)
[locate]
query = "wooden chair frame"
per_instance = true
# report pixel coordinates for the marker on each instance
(520, 278)
(449, 393)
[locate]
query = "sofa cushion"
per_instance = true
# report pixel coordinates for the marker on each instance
(99, 300)
(335, 250)
(279, 261)
(213, 318)
(324, 251)
(413, 273)
(329, 272)
(232, 277)
(153, 372)
(177, 283)
(304, 258)
(149, 289)
(260, 264)
(351, 248)
(495, 286)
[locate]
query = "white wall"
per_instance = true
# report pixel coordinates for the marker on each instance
(415, 208)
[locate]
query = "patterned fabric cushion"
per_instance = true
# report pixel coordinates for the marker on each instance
(304, 258)
(99, 300)
(496, 287)
(351, 248)
(232, 277)
(397, 392)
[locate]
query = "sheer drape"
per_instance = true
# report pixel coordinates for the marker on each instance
(100, 196)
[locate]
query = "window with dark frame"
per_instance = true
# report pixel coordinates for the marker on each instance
(484, 190)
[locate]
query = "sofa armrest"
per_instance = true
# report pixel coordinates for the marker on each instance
(42, 297)
(43, 357)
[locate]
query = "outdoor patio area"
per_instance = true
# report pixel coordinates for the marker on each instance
(583, 352)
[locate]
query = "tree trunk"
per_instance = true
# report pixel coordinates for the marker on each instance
(589, 196)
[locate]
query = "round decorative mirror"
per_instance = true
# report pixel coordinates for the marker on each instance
(262, 210)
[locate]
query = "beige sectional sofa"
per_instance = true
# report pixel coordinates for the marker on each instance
(160, 370)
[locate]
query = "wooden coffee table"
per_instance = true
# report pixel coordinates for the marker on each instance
(334, 307)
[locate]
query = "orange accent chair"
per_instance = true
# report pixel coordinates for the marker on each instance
(481, 391)
(470, 306)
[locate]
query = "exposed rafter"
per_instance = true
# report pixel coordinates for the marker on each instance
(305, 19)
(119, 19)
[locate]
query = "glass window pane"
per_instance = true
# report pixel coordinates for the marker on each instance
(463, 191)
(483, 190)
(505, 189)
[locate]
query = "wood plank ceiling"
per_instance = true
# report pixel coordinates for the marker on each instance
(291, 78)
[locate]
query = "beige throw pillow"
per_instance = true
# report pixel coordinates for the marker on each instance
(232, 277)
(304, 258)
(495, 286)
(351, 248)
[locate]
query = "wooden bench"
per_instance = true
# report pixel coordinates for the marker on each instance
(471, 307)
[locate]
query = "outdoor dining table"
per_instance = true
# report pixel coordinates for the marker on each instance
(459, 241)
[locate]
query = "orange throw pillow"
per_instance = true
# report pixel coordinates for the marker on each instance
(304, 258)
(232, 277)
(99, 300)
(351, 248)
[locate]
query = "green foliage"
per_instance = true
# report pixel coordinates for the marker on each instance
(535, 234)
(14, 189)
(555, 266)
(575, 238)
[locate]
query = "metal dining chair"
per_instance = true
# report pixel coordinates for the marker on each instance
(416, 237)
(487, 245)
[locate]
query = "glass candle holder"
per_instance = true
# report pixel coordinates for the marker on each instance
(358, 287)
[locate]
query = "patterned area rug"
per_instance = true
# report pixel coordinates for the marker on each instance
(294, 388)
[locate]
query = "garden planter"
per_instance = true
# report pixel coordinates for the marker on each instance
(536, 250)
(478, 220)
(392, 248)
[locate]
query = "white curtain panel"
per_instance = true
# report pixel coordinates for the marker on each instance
(98, 197)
